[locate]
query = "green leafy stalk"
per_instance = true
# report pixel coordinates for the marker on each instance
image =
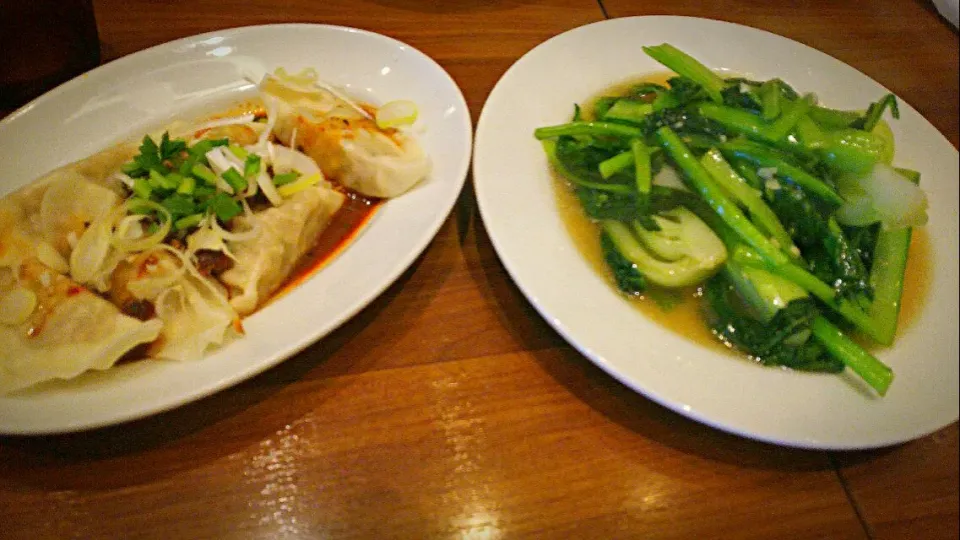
(853, 150)
(768, 317)
(687, 66)
(763, 292)
(877, 374)
(833, 118)
(887, 275)
(713, 194)
(588, 128)
(886, 278)
(810, 134)
(875, 112)
(733, 183)
(629, 110)
(770, 100)
(783, 125)
(641, 160)
(550, 147)
(625, 273)
(764, 158)
(814, 286)
(616, 164)
(754, 126)
(737, 120)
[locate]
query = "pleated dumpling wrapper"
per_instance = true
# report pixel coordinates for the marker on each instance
(52, 327)
(344, 137)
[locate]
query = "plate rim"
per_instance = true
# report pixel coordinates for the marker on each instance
(639, 387)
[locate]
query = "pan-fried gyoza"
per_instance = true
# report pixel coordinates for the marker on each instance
(159, 249)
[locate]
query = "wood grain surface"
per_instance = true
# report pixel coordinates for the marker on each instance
(448, 408)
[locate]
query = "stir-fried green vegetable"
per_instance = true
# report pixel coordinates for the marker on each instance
(793, 221)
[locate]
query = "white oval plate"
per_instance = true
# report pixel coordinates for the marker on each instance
(516, 200)
(141, 91)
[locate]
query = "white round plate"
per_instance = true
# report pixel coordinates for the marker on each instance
(146, 89)
(515, 194)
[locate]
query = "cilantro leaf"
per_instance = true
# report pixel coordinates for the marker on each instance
(224, 207)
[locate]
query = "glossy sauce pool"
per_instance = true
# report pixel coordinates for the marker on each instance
(683, 311)
(344, 227)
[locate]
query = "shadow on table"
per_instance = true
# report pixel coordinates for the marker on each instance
(630, 409)
(208, 429)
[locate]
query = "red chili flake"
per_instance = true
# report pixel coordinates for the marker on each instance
(75, 290)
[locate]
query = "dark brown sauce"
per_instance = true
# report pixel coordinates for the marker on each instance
(685, 315)
(344, 227)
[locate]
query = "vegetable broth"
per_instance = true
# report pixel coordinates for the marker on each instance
(622, 88)
(685, 314)
(685, 317)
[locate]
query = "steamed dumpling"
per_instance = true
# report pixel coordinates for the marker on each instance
(343, 138)
(285, 234)
(195, 313)
(52, 328)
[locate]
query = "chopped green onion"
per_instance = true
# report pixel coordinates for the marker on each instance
(224, 207)
(238, 151)
(188, 164)
(140, 206)
(285, 178)
(203, 192)
(235, 180)
(202, 172)
(141, 188)
(251, 166)
(187, 186)
(158, 181)
(300, 185)
(174, 180)
(187, 222)
(396, 113)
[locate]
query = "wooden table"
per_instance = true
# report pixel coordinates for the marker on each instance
(448, 408)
